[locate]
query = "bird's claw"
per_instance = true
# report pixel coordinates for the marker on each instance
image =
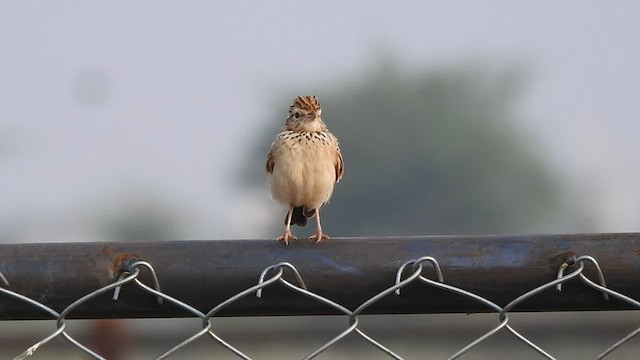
(286, 237)
(318, 237)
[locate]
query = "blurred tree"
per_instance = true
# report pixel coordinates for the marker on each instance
(432, 152)
(143, 216)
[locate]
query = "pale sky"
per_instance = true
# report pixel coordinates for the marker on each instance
(100, 101)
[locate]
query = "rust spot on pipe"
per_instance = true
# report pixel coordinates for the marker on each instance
(121, 260)
(563, 257)
(106, 249)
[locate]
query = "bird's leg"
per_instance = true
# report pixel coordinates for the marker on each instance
(319, 236)
(287, 230)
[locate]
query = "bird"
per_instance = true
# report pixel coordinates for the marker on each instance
(304, 164)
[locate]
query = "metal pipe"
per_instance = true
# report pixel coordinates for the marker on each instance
(348, 271)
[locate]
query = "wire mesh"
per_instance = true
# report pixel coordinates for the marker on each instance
(425, 270)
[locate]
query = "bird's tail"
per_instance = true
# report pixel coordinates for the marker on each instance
(309, 212)
(300, 215)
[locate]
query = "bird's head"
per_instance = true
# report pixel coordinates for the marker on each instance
(304, 115)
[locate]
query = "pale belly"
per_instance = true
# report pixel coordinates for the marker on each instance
(303, 176)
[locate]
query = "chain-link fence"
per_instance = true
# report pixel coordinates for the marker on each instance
(423, 272)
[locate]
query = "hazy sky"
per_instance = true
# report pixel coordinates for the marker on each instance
(102, 101)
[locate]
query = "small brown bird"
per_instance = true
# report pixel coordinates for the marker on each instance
(304, 164)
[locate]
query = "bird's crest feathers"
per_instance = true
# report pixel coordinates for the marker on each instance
(308, 103)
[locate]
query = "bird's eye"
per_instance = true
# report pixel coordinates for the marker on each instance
(296, 115)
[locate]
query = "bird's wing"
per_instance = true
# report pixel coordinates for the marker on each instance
(270, 160)
(339, 165)
(339, 161)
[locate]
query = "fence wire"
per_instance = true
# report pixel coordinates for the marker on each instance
(425, 270)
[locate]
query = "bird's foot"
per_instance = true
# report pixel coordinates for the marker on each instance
(319, 236)
(286, 237)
